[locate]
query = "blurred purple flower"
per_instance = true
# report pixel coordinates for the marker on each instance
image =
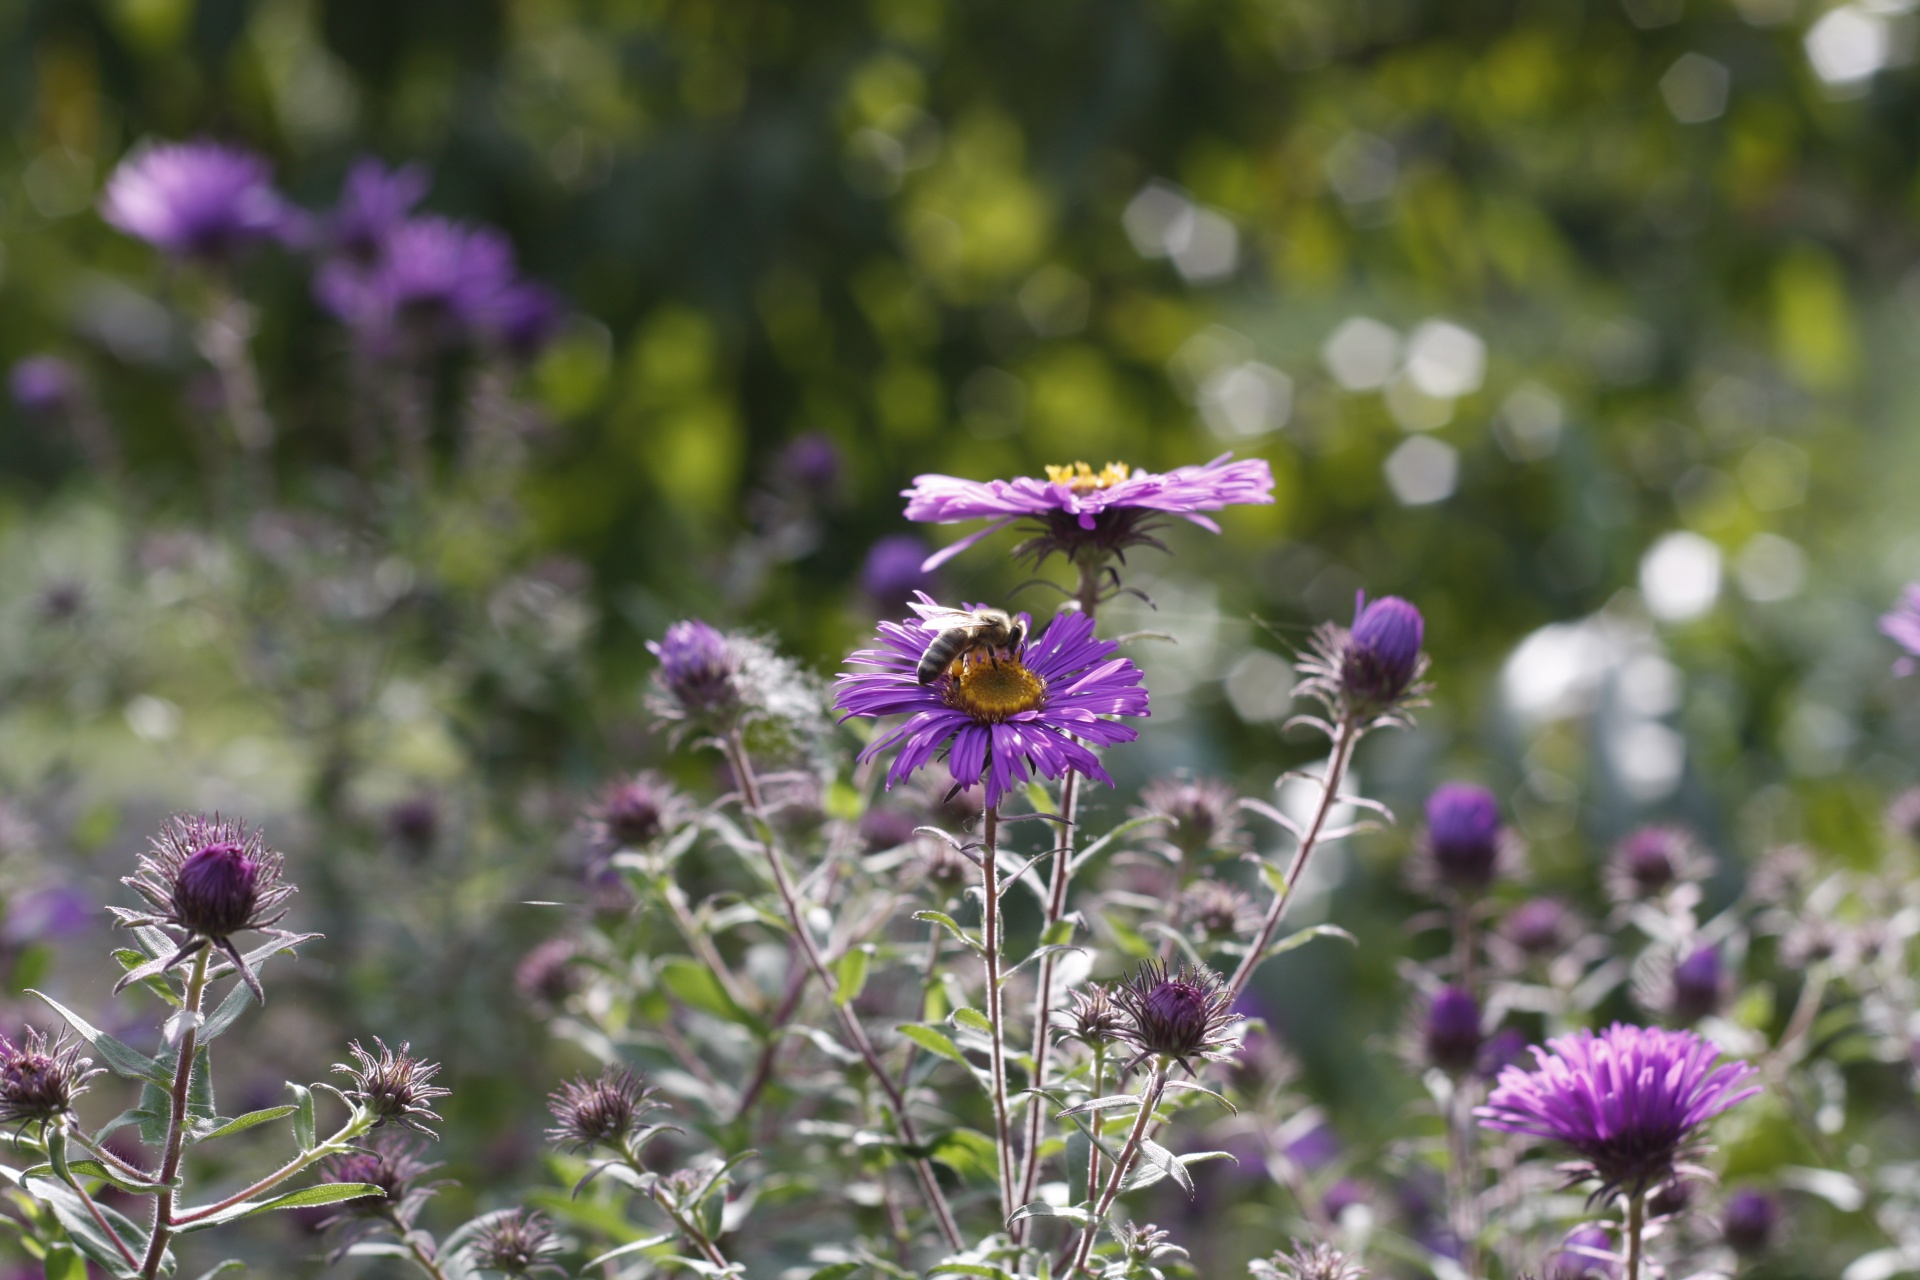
(43, 385)
(811, 463)
(1901, 624)
(1750, 1220)
(1450, 1033)
(434, 275)
(1629, 1101)
(1586, 1254)
(1652, 860)
(1315, 1149)
(1697, 985)
(892, 573)
(1537, 926)
(1078, 498)
(698, 670)
(1463, 836)
(51, 911)
(197, 199)
(1035, 710)
(526, 317)
(374, 202)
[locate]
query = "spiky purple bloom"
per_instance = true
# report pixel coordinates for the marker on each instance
(1463, 836)
(1629, 1101)
(1901, 624)
(391, 1161)
(206, 879)
(1537, 927)
(635, 811)
(39, 1081)
(394, 1086)
(1750, 1220)
(546, 975)
(598, 1112)
(1652, 860)
(1307, 1262)
(374, 202)
(1587, 1254)
(42, 385)
(1697, 985)
(1093, 1018)
(1193, 815)
(892, 574)
(1081, 510)
(197, 199)
(1450, 1033)
(1183, 1013)
(697, 669)
(1003, 717)
(515, 1242)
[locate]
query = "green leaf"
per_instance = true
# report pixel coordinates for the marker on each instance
(64, 1262)
(1058, 934)
(935, 1042)
(83, 1231)
(969, 1153)
(200, 1087)
(1041, 1209)
(970, 1269)
(247, 1121)
(229, 1009)
(852, 976)
(973, 1019)
(694, 985)
(1107, 1103)
(96, 1170)
(307, 1197)
(231, 1264)
(303, 1133)
(1302, 937)
(122, 1059)
(838, 1271)
(648, 1242)
(948, 923)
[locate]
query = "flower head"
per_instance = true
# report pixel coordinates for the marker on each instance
(546, 975)
(374, 202)
(1901, 624)
(391, 1162)
(1652, 860)
(1450, 1033)
(1089, 515)
(600, 1112)
(526, 317)
(1192, 815)
(811, 464)
(415, 823)
(892, 574)
(196, 199)
(1003, 715)
(1215, 910)
(434, 277)
(43, 385)
(1093, 1019)
(1307, 1262)
(516, 1242)
(206, 879)
(1628, 1101)
(699, 671)
(1749, 1220)
(1182, 1013)
(1464, 837)
(1537, 927)
(1369, 672)
(39, 1081)
(1586, 1254)
(394, 1086)
(635, 811)
(1698, 985)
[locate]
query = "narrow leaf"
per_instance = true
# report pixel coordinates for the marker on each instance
(249, 1120)
(648, 1242)
(121, 1058)
(302, 1116)
(851, 976)
(307, 1197)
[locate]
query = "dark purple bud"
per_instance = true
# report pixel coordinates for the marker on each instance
(1176, 1013)
(43, 385)
(390, 1162)
(38, 1081)
(599, 1112)
(811, 463)
(1093, 1017)
(696, 667)
(1537, 926)
(892, 571)
(1697, 985)
(1451, 1034)
(1586, 1255)
(516, 1243)
(215, 891)
(1651, 860)
(394, 1086)
(1382, 653)
(1670, 1199)
(1750, 1220)
(631, 814)
(415, 823)
(1463, 836)
(1196, 814)
(882, 829)
(546, 975)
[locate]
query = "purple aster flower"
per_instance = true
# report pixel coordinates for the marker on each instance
(1182, 1014)
(43, 385)
(1463, 843)
(1697, 985)
(196, 199)
(526, 317)
(1901, 624)
(893, 575)
(1450, 1033)
(39, 1080)
(1369, 673)
(1587, 1254)
(1005, 715)
(1629, 1101)
(1749, 1221)
(374, 202)
(1088, 515)
(698, 675)
(433, 275)
(635, 811)
(1537, 927)
(811, 464)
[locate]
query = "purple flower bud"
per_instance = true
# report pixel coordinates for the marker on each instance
(1652, 860)
(1093, 1017)
(196, 199)
(546, 975)
(632, 813)
(394, 1086)
(696, 668)
(882, 829)
(1180, 1013)
(1196, 815)
(1750, 1220)
(1697, 985)
(811, 463)
(43, 385)
(214, 892)
(415, 823)
(892, 572)
(516, 1243)
(1451, 1034)
(1307, 1262)
(599, 1112)
(1382, 653)
(390, 1162)
(1537, 926)
(1463, 836)
(38, 1081)
(1580, 1258)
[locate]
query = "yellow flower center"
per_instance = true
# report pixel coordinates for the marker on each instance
(993, 687)
(1082, 478)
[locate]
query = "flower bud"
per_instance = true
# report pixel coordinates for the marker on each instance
(892, 573)
(394, 1087)
(1450, 1033)
(516, 1242)
(546, 976)
(1537, 927)
(1093, 1019)
(635, 812)
(390, 1162)
(42, 385)
(697, 669)
(1179, 1014)
(38, 1082)
(1749, 1221)
(1315, 1262)
(214, 892)
(1463, 836)
(415, 824)
(1197, 815)
(1697, 986)
(593, 1113)
(1653, 860)
(1382, 653)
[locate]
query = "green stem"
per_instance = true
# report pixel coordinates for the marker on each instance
(99, 1218)
(997, 1054)
(305, 1160)
(176, 1119)
(1636, 1220)
(418, 1252)
(695, 1237)
(1123, 1164)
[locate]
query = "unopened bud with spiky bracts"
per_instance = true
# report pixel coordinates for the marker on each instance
(1192, 816)
(1653, 860)
(1368, 673)
(1466, 846)
(1699, 985)
(38, 1080)
(1308, 1262)
(697, 679)
(1749, 1221)
(207, 879)
(515, 1242)
(1215, 911)
(600, 1112)
(635, 811)
(1179, 1014)
(547, 975)
(392, 1163)
(1093, 1019)
(394, 1086)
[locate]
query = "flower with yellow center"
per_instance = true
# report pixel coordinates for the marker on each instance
(1082, 478)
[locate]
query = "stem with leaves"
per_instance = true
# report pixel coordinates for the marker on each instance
(1345, 735)
(997, 1054)
(176, 1118)
(856, 1035)
(1150, 1096)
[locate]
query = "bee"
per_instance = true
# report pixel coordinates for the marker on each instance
(963, 631)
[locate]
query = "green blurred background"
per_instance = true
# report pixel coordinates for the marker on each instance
(1585, 324)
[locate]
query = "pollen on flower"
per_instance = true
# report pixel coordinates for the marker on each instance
(993, 688)
(1082, 478)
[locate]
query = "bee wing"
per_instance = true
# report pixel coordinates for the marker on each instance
(945, 619)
